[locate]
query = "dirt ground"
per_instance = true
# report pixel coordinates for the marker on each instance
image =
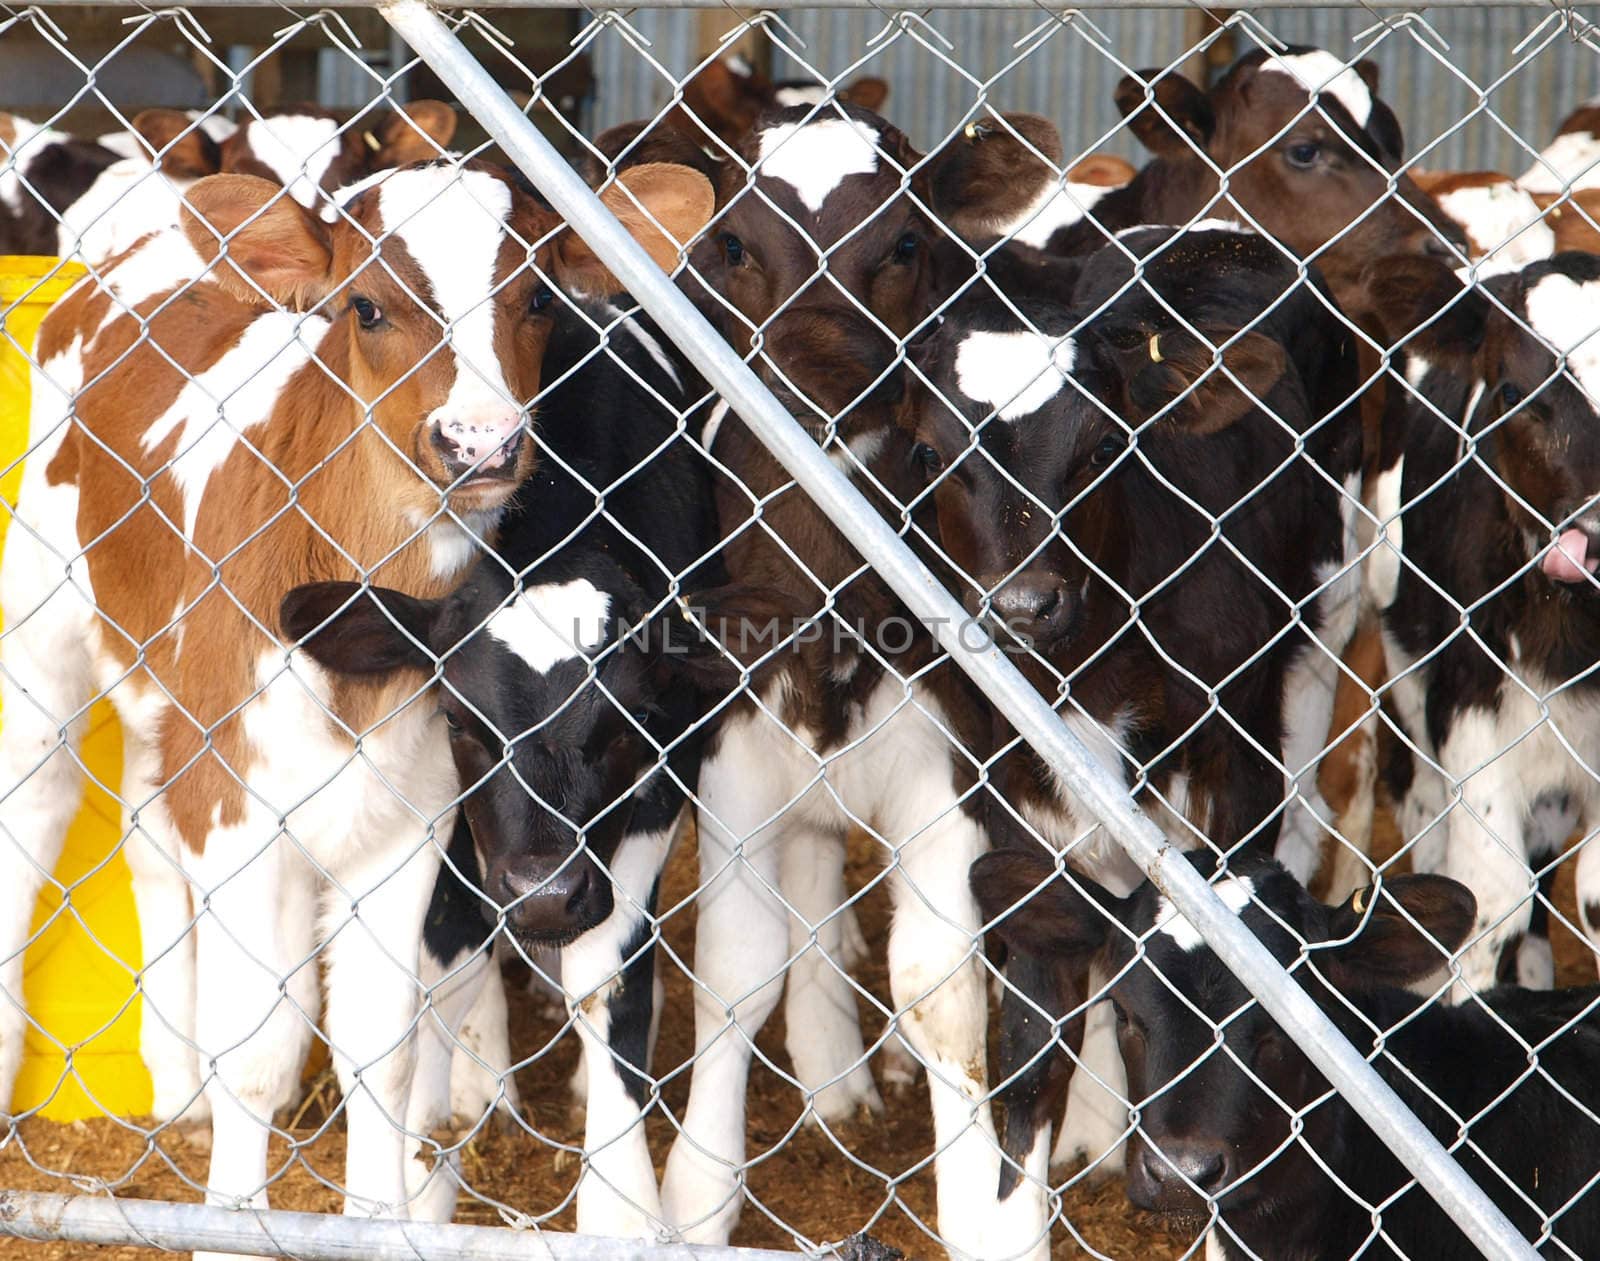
(815, 1187)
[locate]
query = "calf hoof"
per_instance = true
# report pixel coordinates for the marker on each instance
(852, 1099)
(898, 1067)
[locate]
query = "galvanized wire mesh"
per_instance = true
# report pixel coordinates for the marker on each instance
(507, 737)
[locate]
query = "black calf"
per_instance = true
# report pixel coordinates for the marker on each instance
(1215, 1141)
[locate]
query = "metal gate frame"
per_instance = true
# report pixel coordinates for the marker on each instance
(318, 1237)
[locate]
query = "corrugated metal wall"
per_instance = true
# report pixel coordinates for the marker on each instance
(1446, 99)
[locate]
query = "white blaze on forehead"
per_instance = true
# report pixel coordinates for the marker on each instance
(1323, 72)
(298, 149)
(815, 158)
(1235, 893)
(453, 224)
(553, 623)
(1567, 315)
(1015, 373)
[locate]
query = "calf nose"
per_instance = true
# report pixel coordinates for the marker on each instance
(1188, 1165)
(479, 446)
(1033, 605)
(556, 906)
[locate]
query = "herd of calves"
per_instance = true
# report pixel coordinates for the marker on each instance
(286, 503)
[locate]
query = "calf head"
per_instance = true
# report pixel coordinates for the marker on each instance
(1536, 418)
(560, 693)
(434, 248)
(1315, 176)
(834, 185)
(313, 154)
(1023, 430)
(1216, 1108)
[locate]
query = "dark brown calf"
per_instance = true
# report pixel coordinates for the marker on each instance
(894, 754)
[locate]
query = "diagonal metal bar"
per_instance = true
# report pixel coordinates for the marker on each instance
(93, 1219)
(1466, 1203)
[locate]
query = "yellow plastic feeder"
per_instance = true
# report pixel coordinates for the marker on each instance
(78, 973)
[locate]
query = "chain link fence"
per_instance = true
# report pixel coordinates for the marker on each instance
(609, 633)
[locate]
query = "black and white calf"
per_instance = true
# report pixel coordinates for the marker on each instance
(1490, 494)
(1236, 1125)
(572, 686)
(1080, 464)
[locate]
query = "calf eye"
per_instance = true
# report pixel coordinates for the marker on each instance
(905, 249)
(733, 247)
(452, 720)
(1109, 449)
(367, 311)
(1510, 395)
(1303, 155)
(926, 456)
(543, 296)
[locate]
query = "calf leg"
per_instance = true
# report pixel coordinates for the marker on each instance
(741, 942)
(373, 999)
(609, 977)
(1033, 1071)
(166, 937)
(453, 988)
(823, 1027)
(44, 690)
(1096, 1122)
(251, 1039)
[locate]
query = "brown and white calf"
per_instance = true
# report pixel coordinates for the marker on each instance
(871, 727)
(205, 435)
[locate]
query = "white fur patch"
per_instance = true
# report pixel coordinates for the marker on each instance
(1504, 223)
(217, 407)
(1322, 72)
(31, 140)
(815, 158)
(719, 412)
(1567, 315)
(553, 623)
(792, 96)
(299, 149)
(1235, 893)
(1054, 208)
(1572, 160)
(1015, 373)
(1383, 567)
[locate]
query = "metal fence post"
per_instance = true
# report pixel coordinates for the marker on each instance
(1467, 1205)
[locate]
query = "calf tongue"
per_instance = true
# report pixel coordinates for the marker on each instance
(1568, 560)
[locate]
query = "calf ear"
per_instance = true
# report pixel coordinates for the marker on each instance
(416, 132)
(351, 630)
(1180, 119)
(1035, 910)
(177, 144)
(1390, 950)
(990, 172)
(664, 207)
(273, 244)
(867, 92)
(1104, 170)
(1210, 396)
(1421, 302)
